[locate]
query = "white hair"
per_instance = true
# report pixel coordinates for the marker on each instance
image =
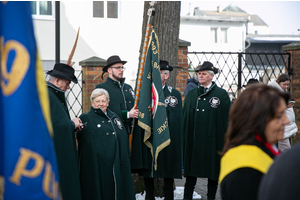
(98, 92)
(51, 78)
(165, 71)
(211, 72)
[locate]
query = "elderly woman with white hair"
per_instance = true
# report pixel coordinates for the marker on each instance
(103, 153)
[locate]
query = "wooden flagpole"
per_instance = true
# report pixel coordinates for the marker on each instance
(151, 13)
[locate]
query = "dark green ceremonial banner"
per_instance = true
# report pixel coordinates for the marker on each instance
(152, 110)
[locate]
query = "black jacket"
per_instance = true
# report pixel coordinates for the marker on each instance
(243, 183)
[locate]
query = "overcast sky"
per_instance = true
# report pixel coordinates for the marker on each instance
(283, 17)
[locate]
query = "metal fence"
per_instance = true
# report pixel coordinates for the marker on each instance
(236, 68)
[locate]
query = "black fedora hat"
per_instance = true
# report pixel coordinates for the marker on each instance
(164, 65)
(251, 81)
(63, 71)
(112, 60)
(207, 66)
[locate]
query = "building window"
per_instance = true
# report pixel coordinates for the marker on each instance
(219, 35)
(106, 9)
(42, 9)
(223, 36)
(214, 35)
(98, 9)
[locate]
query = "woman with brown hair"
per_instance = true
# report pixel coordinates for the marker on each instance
(282, 83)
(256, 122)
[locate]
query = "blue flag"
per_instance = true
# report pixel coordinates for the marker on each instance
(152, 109)
(27, 158)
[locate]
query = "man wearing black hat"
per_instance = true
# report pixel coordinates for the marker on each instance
(121, 94)
(205, 118)
(169, 158)
(64, 128)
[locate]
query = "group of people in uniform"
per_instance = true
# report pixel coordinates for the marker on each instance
(197, 134)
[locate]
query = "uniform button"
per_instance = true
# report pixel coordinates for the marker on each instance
(197, 109)
(107, 133)
(204, 99)
(108, 121)
(202, 110)
(113, 133)
(125, 90)
(102, 121)
(199, 98)
(129, 101)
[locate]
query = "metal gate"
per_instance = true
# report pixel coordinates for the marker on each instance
(236, 68)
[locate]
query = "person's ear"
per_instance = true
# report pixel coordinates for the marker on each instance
(56, 81)
(167, 76)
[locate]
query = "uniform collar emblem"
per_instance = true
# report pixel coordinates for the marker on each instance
(118, 123)
(171, 101)
(214, 102)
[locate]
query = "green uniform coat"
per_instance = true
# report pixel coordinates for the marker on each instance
(205, 120)
(103, 155)
(169, 159)
(121, 101)
(65, 144)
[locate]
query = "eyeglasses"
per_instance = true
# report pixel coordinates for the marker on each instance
(119, 67)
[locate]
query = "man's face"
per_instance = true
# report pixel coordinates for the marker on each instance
(164, 76)
(62, 84)
(115, 71)
(204, 77)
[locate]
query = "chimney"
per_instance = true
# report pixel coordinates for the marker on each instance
(191, 8)
(219, 9)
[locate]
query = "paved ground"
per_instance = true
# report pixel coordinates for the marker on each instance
(201, 187)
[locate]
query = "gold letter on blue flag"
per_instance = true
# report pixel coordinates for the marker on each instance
(27, 158)
(152, 110)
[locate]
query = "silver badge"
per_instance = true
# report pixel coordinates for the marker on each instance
(118, 123)
(214, 102)
(132, 93)
(171, 100)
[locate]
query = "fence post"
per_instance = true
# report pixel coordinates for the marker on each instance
(239, 73)
(294, 65)
(91, 67)
(182, 61)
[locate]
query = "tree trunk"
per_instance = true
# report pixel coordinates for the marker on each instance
(166, 23)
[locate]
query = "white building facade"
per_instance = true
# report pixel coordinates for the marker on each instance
(106, 28)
